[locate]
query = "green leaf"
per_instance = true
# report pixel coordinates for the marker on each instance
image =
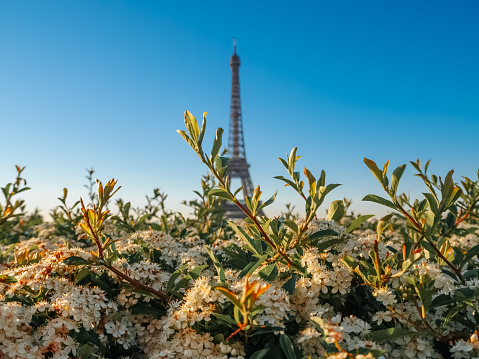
(251, 267)
(85, 271)
(195, 273)
(459, 295)
(290, 284)
(269, 273)
(323, 246)
(391, 333)
(375, 170)
(395, 178)
(265, 330)
(456, 193)
(429, 219)
(268, 202)
(350, 262)
(287, 346)
(293, 225)
(95, 278)
(433, 205)
(226, 319)
(237, 313)
(238, 191)
(217, 264)
(187, 139)
(84, 351)
(380, 200)
(289, 182)
(218, 192)
(259, 354)
(75, 260)
(192, 126)
(231, 297)
(447, 187)
(217, 144)
(323, 233)
(336, 211)
(474, 251)
(171, 282)
(426, 297)
(358, 221)
(253, 244)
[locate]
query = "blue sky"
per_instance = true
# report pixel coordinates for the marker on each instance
(105, 84)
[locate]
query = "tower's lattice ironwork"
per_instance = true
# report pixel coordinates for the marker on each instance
(237, 165)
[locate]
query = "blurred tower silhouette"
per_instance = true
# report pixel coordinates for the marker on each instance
(237, 165)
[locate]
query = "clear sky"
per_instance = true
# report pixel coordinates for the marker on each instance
(104, 84)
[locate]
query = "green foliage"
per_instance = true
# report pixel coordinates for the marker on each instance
(266, 287)
(14, 223)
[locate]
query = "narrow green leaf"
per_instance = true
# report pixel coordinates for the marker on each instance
(203, 129)
(391, 333)
(426, 297)
(323, 246)
(474, 251)
(323, 233)
(395, 178)
(374, 169)
(269, 201)
(380, 200)
(217, 264)
(429, 219)
(447, 187)
(226, 319)
(192, 126)
(259, 354)
(217, 144)
(287, 346)
(251, 267)
(357, 222)
(195, 273)
(231, 297)
(218, 192)
(85, 271)
(265, 330)
(350, 262)
(433, 205)
(455, 194)
(75, 260)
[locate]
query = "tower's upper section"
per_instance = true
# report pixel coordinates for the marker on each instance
(234, 61)
(236, 140)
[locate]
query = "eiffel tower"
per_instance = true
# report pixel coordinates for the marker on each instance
(237, 165)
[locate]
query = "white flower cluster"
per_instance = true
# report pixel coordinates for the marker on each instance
(68, 309)
(466, 349)
(349, 333)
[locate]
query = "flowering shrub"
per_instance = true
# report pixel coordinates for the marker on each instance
(149, 283)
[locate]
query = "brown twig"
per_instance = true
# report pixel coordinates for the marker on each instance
(419, 228)
(264, 234)
(160, 294)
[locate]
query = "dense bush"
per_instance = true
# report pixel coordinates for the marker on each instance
(151, 283)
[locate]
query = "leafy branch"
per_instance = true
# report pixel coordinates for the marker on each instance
(92, 226)
(218, 167)
(425, 215)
